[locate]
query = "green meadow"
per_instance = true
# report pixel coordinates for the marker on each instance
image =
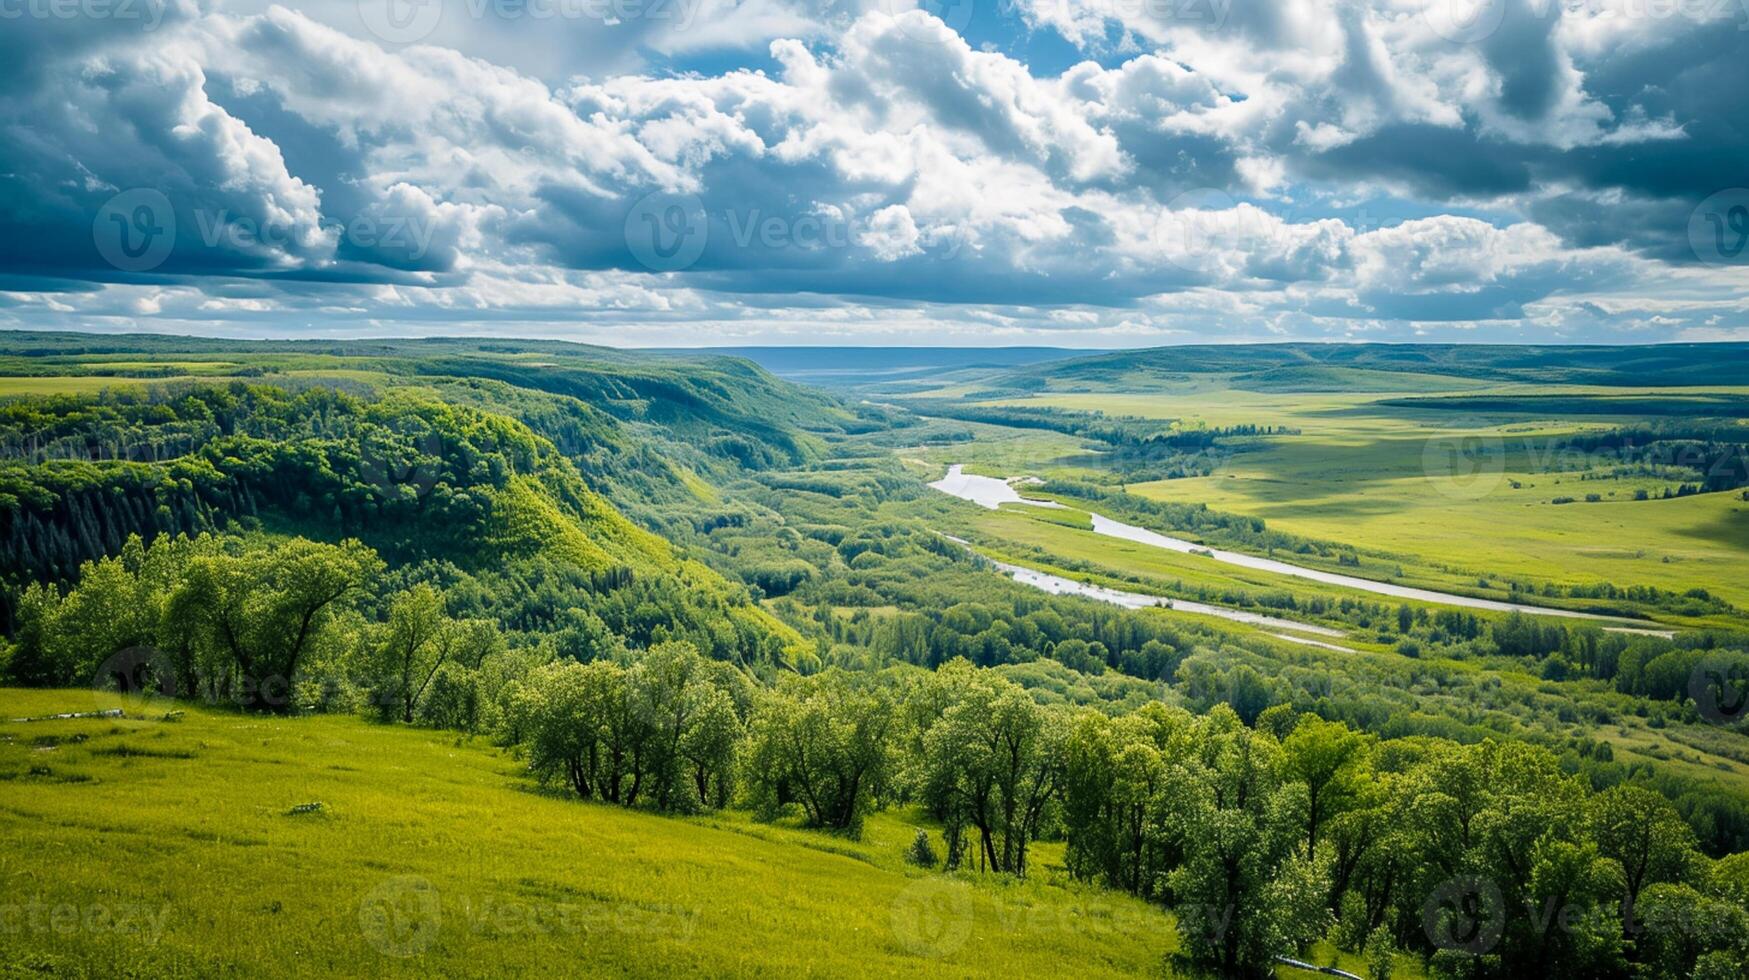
(168, 843)
(1378, 477)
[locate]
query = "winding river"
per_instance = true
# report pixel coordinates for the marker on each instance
(992, 493)
(1058, 585)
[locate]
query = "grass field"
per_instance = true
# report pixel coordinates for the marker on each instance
(1001, 451)
(151, 847)
(1375, 477)
(12, 387)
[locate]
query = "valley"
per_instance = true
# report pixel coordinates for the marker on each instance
(662, 643)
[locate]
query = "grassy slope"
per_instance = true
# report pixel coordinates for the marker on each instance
(187, 822)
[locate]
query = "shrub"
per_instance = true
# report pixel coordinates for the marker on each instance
(921, 852)
(1380, 952)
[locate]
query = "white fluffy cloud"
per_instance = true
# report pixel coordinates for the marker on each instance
(1241, 169)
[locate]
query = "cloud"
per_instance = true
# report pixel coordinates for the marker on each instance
(1240, 168)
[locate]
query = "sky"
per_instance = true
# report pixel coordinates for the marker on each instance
(1078, 173)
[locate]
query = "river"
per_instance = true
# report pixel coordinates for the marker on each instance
(992, 493)
(1058, 585)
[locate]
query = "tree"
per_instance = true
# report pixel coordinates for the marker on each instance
(994, 762)
(258, 613)
(1644, 834)
(1380, 953)
(824, 744)
(711, 745)
(1680, 927)
(1245, 891)
(667, 690)
(409, 652)
(579, 729)
(37, 658)
(921, 852)
(1120, 796)
(1326, 756)
(455, 700)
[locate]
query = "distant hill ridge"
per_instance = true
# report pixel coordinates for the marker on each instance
(1279, 364)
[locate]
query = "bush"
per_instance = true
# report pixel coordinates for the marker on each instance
(921, 852)
(1380, 952)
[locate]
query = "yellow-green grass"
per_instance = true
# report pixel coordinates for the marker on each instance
(1332, 414)
(695, 484)
(11, 387)
(434, 856)
(1375, 477)
(1690, 542)
(1404, 966)
(1002, 451)
(349, 374)
(1324, 414)
(1388, 494)
(1687, 752)
(100, 364)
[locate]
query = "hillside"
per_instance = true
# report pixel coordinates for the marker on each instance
(430, 857)
(639, 425)
(1337, 367)
(447, 490)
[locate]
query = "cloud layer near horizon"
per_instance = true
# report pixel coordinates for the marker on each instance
(767, 171)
